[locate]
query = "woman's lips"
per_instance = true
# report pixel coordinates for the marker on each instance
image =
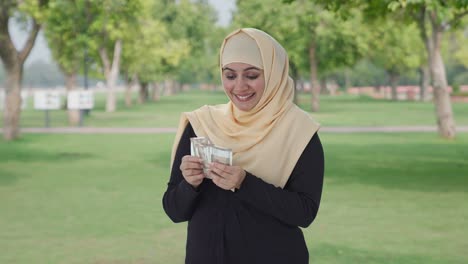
(244, 98)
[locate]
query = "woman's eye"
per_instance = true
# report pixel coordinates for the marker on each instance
(252, 77)
(230, 77)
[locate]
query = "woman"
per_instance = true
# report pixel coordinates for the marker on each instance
(278, 163)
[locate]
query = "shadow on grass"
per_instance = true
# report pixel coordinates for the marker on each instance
(25, 156)
(20, 151)
(32, 155)
(327, 253)
(8, 177)
(412, 166)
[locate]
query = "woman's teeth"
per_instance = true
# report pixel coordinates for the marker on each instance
(244, 97)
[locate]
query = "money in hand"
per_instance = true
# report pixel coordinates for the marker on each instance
(203, 148)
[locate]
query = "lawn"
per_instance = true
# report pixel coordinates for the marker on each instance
(343, 110)
(388, 198)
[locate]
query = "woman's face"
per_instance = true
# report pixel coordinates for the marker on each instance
(244, 84)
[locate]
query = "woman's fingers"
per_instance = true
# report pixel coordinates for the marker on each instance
(221, 182)
(227, 177)
(190, 162)
(189, 158)
(192, 170)
(220, 169)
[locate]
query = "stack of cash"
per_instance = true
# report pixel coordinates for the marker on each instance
(203, 148)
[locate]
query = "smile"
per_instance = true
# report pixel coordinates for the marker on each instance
(244, 98)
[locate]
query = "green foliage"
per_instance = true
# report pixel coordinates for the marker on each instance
(457, 45)
(149, 46)
(278, 20)
(66, 33)
(194, 23)
(366, 73)
(395, 47)
(36, 9)
(41, 74)
(460, 79)
(339, 43)
(110, 21)
(76, 26)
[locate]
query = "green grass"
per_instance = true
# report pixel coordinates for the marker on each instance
(349, 110)
(388, 198)
(343, 110)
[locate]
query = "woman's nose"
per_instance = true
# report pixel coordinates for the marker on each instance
(240, 84)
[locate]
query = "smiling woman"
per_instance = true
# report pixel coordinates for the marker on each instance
(244, 84)
(250, 211)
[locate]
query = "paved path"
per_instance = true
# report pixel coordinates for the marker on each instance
(153, 130)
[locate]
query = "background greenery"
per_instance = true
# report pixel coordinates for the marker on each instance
(343, 110)
(388, 198)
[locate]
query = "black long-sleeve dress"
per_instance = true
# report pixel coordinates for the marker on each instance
(259, 223)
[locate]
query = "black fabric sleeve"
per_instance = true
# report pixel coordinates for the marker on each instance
(180, 198)
(298, 203)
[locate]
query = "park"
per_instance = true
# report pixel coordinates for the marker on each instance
(83, 184)
(96, 198)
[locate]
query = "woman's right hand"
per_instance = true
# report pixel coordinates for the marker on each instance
(192, 170)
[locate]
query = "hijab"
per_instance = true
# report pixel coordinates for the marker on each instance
(267, 140)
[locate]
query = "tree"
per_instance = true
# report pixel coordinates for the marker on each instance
(455, 52)
(441, 16)
(149, 49)
(194, 22)
(434, 18)
(395, 48)
(65, 30)
(32, 12)
(108, 31)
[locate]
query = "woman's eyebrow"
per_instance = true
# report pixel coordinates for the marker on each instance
(246, 69)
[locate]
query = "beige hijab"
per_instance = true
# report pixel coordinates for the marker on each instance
(268, 140)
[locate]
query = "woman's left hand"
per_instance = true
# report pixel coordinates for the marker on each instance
(227, 177)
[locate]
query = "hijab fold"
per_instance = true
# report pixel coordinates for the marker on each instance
(268, 140)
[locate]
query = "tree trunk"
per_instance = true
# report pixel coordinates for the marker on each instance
(13, 61)
(128, 91)
(323, 86)
(73, 114)
(144, 94)
(315, 86)
(168, 87)
(111, 71)
(393, 79)
(156, 92)
(424, 81)
(443, 105)
(347, 77)
(12, 107)
(178, 86)
(128, 95)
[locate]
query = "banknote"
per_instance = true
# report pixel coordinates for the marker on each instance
(203, 148)
(221, 155)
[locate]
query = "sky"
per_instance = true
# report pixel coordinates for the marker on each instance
(41, 51)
